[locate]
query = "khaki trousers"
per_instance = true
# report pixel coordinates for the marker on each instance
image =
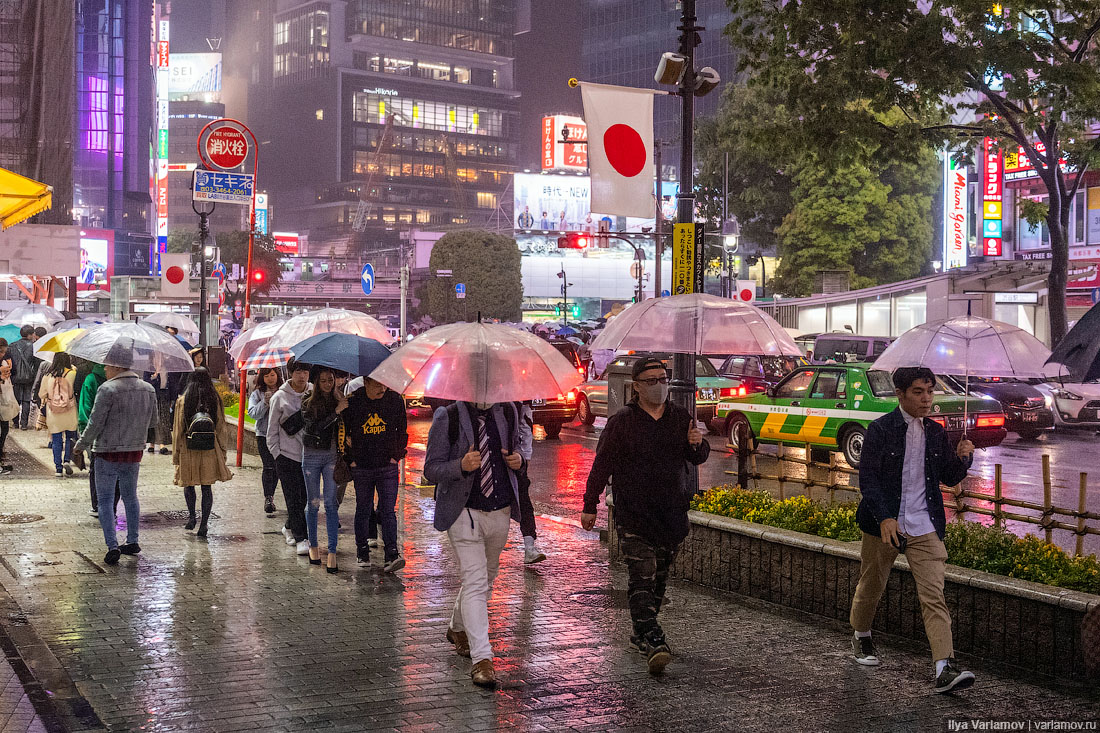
(927, 557)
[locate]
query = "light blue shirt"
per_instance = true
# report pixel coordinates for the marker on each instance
(913, 519)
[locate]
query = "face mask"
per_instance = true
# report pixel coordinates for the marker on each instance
(483, 405)
(655, 394)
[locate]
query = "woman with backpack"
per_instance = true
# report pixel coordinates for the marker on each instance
(198, 445)
(268, 382)
(321, 410)
(57, 396)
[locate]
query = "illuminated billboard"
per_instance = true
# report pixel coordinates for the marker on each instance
(562, 203)
(559, 155)
(195, 76)
(955, 243)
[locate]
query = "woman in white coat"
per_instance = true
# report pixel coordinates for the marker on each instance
(56, 394)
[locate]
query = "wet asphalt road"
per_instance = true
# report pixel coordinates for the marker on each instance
(559, 470)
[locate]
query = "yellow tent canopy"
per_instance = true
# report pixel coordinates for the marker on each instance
(21, 198)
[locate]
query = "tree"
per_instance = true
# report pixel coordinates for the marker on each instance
(488, 265)
(870, 215)
(960, 70)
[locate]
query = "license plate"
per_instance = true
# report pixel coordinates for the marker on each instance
(1031, 417)
(538, 403)
(955, 422)
(708, 394)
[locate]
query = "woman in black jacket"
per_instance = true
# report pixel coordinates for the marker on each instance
(321, 411)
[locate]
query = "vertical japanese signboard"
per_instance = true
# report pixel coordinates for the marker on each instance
(992, 195)
(162, 136)
(687, 260)
(955, 243)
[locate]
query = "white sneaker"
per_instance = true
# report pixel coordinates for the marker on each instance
(288, 535)
(531, 555)
(303, 547)
(373, 543)
(57, 473)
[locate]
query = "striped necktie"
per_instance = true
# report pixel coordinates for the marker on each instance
(486, 464)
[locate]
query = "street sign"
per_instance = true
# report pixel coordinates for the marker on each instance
(460, 290)
(443, 273)
(1095, 296)
(228, 188)
(261, 213)
(683, 258)
(636, 269)
(226, 147)
(665, 293)
(218, 271)
(367, 278)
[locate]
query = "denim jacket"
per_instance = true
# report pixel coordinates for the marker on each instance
(125, 410)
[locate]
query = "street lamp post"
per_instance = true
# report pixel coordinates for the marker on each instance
(204, 233)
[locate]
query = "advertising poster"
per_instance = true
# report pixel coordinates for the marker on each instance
(561, 203)
(96, 259)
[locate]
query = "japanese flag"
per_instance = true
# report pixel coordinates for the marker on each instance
(175, 275)
(620, 148)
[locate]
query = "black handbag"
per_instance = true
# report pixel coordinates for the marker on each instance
(293, 423)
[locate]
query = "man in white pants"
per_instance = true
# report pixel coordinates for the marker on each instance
(473, 456)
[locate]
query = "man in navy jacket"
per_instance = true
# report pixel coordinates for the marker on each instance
(905, 458)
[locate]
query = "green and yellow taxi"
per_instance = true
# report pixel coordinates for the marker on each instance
(829, 406)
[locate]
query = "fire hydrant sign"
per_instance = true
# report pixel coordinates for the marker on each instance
(226, 147)
(228, 188)
(683, 259)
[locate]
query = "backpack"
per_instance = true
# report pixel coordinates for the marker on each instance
(60, 398)
(200, 432)
(23, 364)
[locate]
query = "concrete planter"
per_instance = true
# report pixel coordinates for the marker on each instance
(1034, 627)
(249, 442)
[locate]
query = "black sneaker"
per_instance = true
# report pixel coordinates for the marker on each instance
(269, 506)
(393, 565)
(952, 678)
(131, 548)
(658, 653)
(362, 556)
(639, 644)
(112, 556)
(863, 649)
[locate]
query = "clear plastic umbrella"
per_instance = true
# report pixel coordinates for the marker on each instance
(328, 320)
(477, 362)
(133, 346)
(33, 314)
(970, 346)
(178, 321)
(696, 323)
(250, 341)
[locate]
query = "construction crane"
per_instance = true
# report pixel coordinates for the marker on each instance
(452, 174)
(362, 211)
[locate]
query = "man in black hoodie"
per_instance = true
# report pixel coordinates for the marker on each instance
(644, 450)
(376, 435)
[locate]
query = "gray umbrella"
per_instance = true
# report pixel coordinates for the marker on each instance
(1079, 350)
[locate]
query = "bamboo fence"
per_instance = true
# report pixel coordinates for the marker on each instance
(961, 500)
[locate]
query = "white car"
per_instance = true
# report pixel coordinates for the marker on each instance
(1075, 403)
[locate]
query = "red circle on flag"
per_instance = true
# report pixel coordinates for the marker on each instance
(624, 149)
(746, 295)
(174, 274)
(226, 147)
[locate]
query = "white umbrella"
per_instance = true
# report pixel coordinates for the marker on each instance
(696, 323)
(133, 346)
(477, 362)
(33, 314)
(178, 321)
(970, 346)
(328, 320)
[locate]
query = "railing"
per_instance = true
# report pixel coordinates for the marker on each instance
(962, 500)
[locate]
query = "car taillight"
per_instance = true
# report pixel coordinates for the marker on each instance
(991, 421)
(581, 371)
(727, 392)
(941, 421)
(741, 391)
(571, 397)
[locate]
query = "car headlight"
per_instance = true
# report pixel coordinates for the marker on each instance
(1066, 394)
(1048, 401)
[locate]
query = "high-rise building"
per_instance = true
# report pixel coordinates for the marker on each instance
(379, 114)
(623, 41)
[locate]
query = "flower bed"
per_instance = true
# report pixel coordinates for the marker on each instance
(969, 544)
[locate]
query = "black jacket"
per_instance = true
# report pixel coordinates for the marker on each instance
(882, 463)
(646, 460)
(375, 431)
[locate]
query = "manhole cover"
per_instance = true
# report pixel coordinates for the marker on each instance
(20, 518)
(172, 515)
(46, 564)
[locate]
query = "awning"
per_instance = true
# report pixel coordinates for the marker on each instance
(21, 198)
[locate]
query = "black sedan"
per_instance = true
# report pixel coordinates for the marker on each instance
(1025, 408)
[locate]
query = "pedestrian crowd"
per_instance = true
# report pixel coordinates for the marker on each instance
(318, 430)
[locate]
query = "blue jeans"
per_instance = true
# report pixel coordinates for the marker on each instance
(367, 481)
(68, 437)
(318, 465)
(125, 475)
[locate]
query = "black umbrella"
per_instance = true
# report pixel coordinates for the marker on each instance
(1079, 351)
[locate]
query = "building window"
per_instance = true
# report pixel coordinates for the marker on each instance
(429, 115)
(319, 114)
(486, 200)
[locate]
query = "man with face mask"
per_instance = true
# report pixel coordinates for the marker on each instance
(644, 451)
(475, 469)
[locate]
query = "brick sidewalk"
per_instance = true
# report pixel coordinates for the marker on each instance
(237, 633)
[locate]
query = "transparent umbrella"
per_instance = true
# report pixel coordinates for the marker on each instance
(328, 320)
(696, 323)
(133, 346)
(178, 321)
(968, 345)
(250, 341)
(33, 314)
(476, 362)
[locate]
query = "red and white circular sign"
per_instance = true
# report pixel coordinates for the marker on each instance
(226, 147)
(746, 295)
(174, 274)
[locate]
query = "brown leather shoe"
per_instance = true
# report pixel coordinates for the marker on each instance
(483, 674)
(461, 642)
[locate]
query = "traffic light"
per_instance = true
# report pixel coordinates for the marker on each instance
(258, 277)
(574, 240)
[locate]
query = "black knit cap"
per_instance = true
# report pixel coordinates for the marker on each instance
(642, 365)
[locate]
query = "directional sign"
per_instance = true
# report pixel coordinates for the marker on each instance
(226, 147)
(218, 271)
(460, 290)
(665, 293)
(367, 278)
(1095, 296)
(229, 188)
